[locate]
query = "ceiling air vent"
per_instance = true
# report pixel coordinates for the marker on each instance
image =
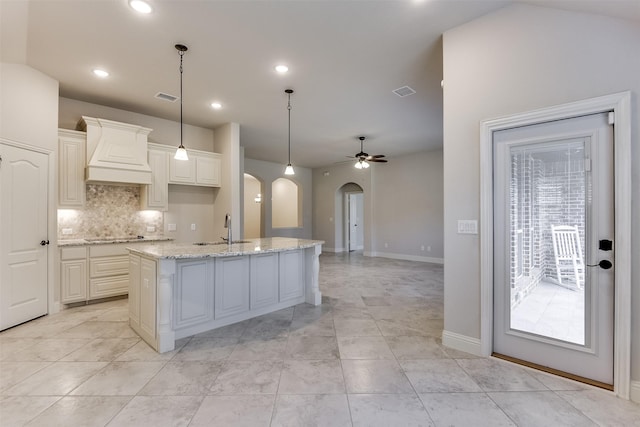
(404, 91)
(166, 97)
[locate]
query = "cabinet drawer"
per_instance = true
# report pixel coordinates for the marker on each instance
(73, 253)
(109, 250)
(108, 286)
(109, 266)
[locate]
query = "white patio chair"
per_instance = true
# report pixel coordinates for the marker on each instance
(568, 254)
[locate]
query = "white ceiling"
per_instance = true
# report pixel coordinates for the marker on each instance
(345, 58)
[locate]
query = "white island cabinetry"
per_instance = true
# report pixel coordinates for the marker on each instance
(198, 288)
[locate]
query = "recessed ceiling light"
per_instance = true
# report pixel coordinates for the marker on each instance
(100, 73)
(282, 68)
(216, 105)
(140, 6)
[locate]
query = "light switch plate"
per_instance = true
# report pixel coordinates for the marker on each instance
(171, 227)
(467, 226)
(151, 228)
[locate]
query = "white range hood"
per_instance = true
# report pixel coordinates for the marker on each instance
(116, 152)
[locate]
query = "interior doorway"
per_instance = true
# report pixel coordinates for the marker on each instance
(352, 197)
(253, 211)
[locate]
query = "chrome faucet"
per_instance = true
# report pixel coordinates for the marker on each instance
(227, 225)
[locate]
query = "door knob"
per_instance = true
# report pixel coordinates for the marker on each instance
(605, 264)
(44, 242)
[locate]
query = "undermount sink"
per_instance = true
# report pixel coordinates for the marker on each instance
(221, 243)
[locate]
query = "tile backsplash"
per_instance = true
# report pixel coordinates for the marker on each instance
(109, 211)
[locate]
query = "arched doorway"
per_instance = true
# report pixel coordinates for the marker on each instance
(350, 208)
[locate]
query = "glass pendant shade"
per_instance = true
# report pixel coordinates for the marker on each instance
(289, 170)
(181, 153)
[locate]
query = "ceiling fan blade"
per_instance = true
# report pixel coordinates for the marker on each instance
(377, 160)
(377, 156)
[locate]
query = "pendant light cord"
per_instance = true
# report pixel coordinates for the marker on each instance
(289, 108)
(181, 55)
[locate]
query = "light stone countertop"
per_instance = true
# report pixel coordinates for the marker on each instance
(221, 249)
(110, 240)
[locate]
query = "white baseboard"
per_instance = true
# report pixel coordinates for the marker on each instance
(634, 392)
(461, 342)
(406, 257)
(334, 250)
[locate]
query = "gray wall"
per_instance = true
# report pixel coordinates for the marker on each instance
(267, 172)
(517, 59)
(403, 206)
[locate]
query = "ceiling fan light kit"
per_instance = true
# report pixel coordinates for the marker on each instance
(181, 152)
(363, 159)
(289, 169)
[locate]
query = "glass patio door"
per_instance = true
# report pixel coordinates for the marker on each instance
(553, 249)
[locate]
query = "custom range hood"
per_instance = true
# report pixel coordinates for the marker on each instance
(116, 152)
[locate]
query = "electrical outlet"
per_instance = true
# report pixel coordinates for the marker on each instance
(428, 248)
(171, 227)
(193, 227)
(422, 248)
(67, 231)
(151, 228)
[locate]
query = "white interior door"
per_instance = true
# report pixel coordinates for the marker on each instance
(353, 222)
(23, 235)
(553, 301)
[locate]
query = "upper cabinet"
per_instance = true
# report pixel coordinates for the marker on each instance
(202, 168)
(71, 162)
(156, 195)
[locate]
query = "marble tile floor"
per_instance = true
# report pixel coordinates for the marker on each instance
(370, 355)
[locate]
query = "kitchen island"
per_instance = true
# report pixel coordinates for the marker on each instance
(178, 290)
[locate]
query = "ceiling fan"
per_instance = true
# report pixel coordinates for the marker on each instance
(363, 158)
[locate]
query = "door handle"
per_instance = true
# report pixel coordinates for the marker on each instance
(44, 242)
(605, 264)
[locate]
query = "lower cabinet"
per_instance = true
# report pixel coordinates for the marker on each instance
(264, 280)
(142, 297)
(73, 274)
(291, 275)
(231, 286)
(193, 293)
(108, 270)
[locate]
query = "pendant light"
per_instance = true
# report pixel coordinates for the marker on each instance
(181, 152)
(289, 169)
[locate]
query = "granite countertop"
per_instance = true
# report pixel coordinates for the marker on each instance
(221, 249)
(110, 240)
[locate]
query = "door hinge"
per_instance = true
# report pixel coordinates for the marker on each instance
(611, 118)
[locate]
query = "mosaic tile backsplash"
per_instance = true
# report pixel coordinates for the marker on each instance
(110, 211)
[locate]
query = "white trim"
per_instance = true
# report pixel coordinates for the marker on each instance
(620, 103)
(405, 257)
(462, 342)
(335, 250)
(634, 394)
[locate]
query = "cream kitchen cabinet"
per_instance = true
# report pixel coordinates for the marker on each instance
(142, 297)
(156, 195)
(72, 147)
(94, 271)
(73, 274)
(108, 270)
(202, 169)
